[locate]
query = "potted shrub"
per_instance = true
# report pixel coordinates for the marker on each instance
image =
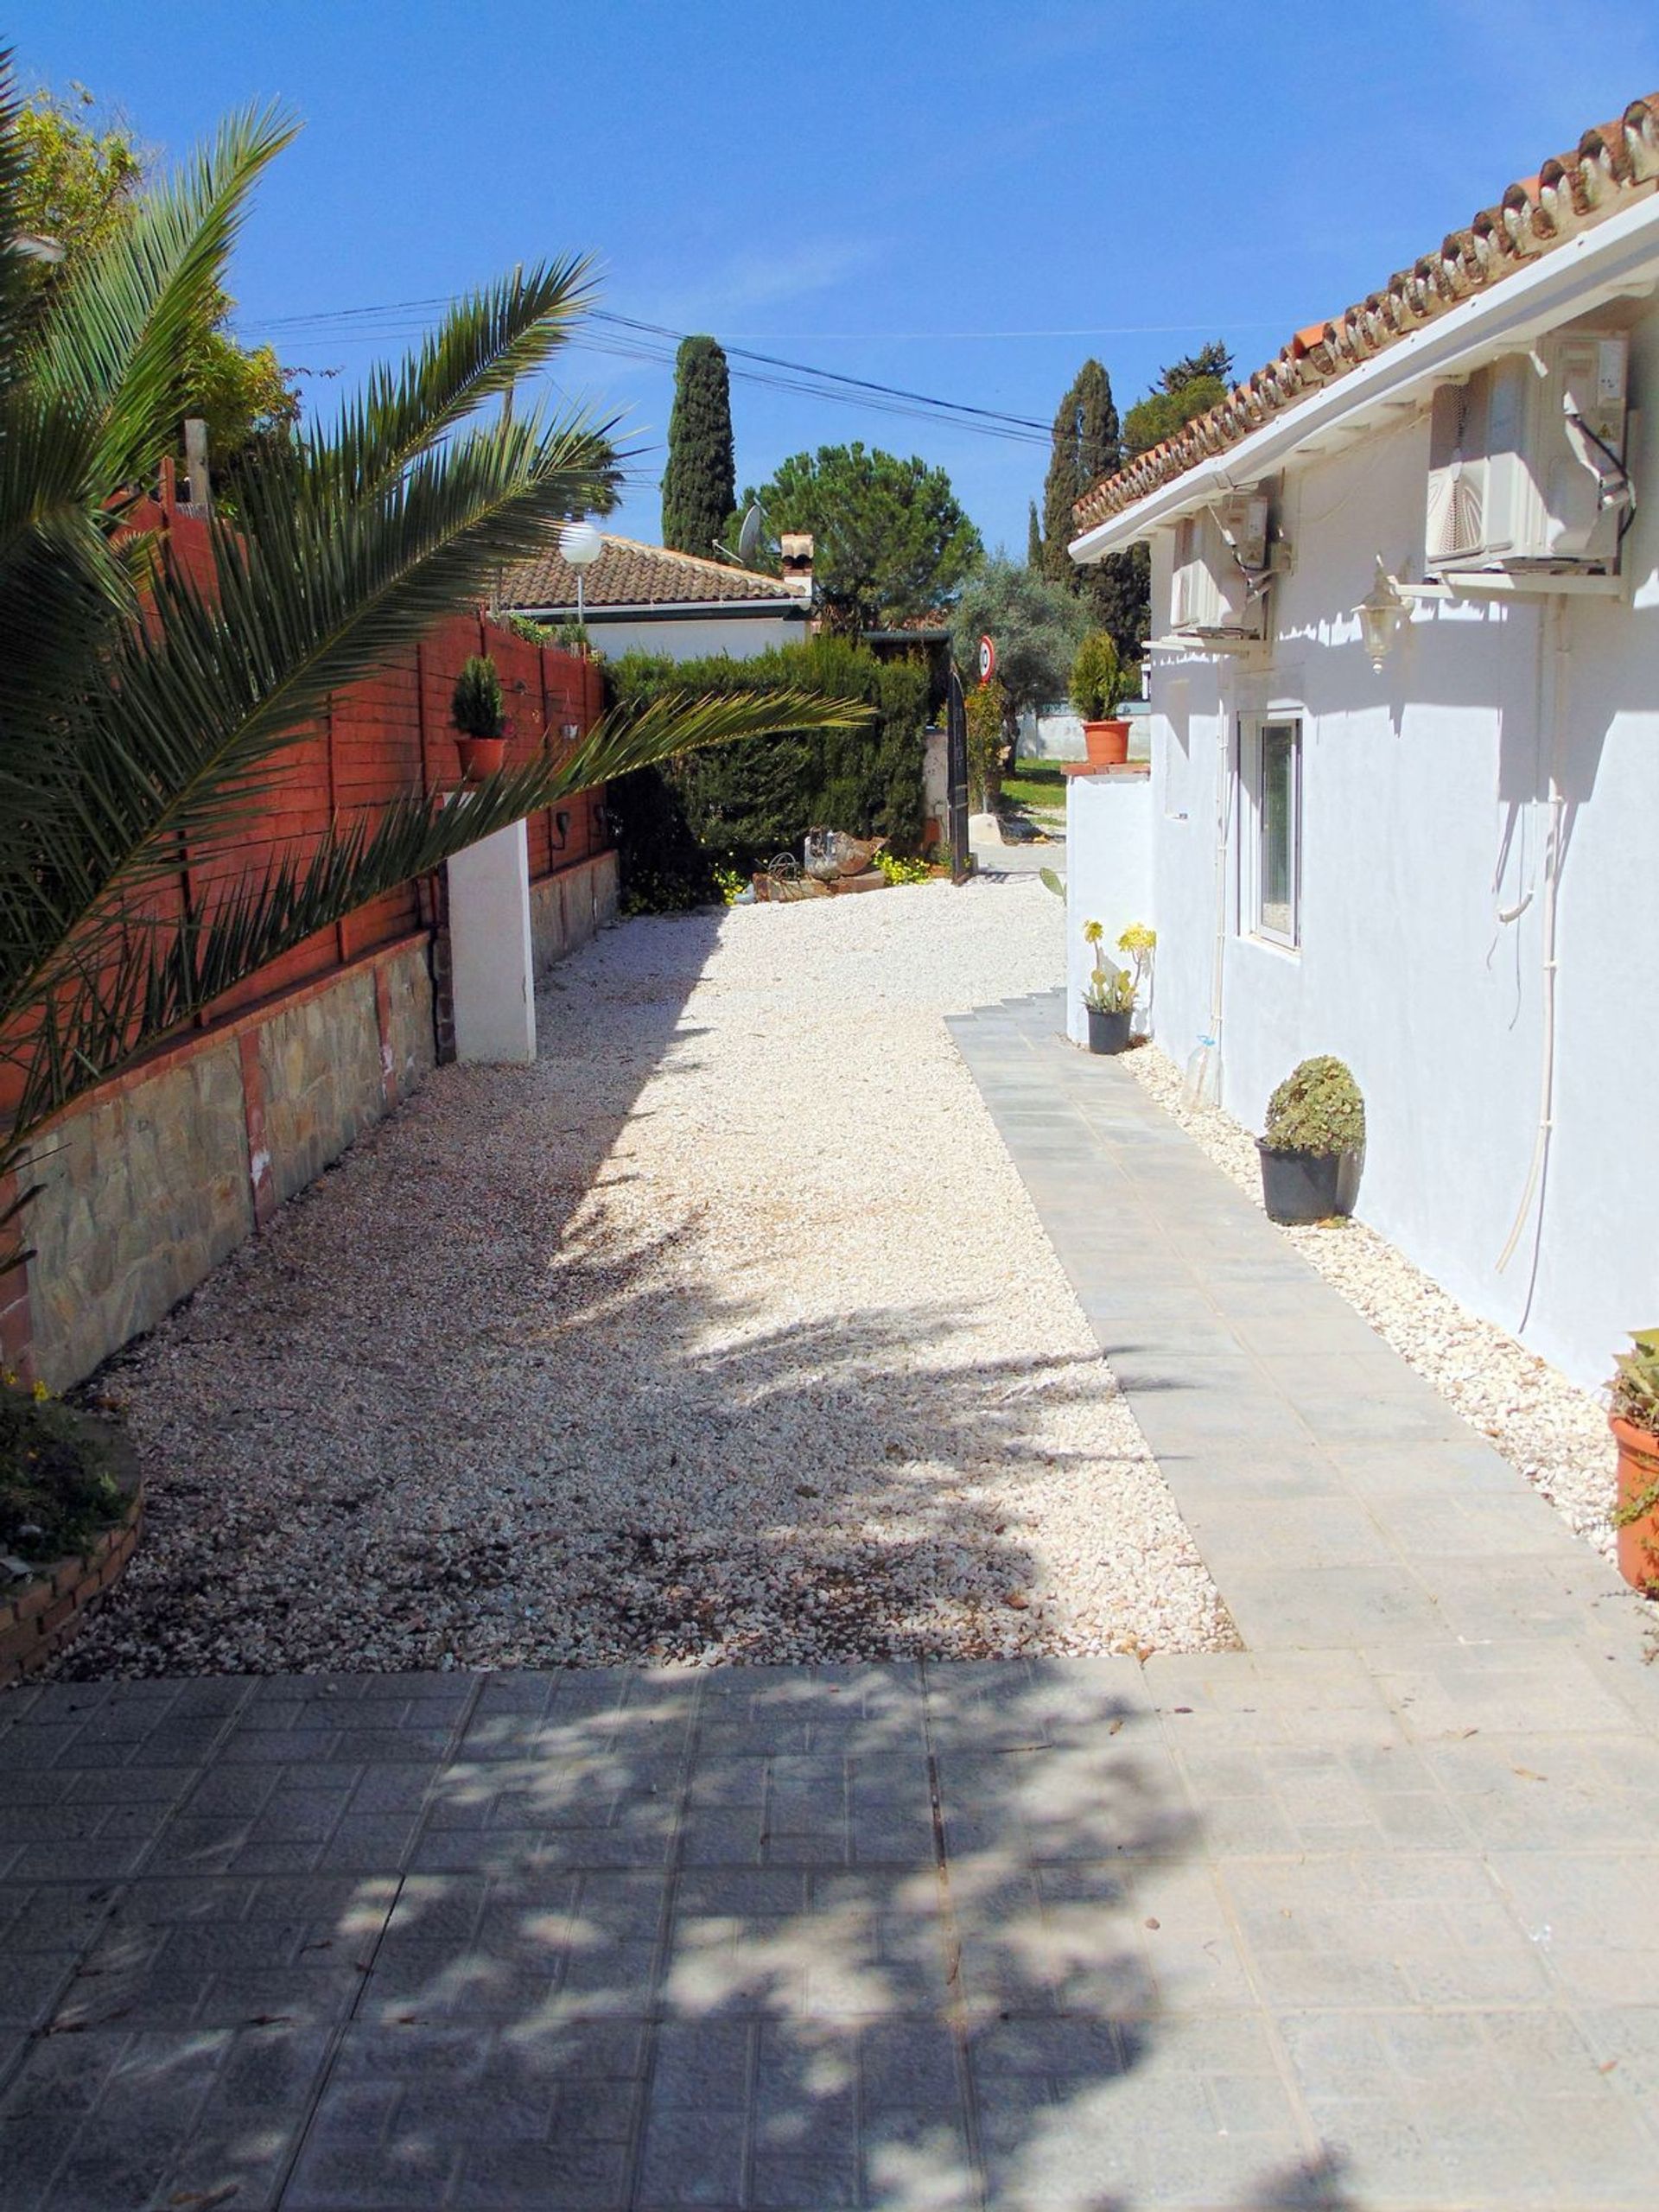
(479, 718)
(1635, 1421)
(1312, 1146)
(1098, 683)
(1108, 1000)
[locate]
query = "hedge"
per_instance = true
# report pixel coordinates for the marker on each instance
(735, 806)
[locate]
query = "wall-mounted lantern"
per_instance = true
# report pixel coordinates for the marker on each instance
(1380, 612)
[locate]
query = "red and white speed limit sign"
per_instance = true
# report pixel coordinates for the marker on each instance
(987, 660)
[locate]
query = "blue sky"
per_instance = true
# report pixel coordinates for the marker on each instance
(964, 199)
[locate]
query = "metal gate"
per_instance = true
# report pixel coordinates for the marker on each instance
(955, 777)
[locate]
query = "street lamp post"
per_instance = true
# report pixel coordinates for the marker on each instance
(580, 545)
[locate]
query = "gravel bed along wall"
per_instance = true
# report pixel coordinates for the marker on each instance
(1555, 1433)
(725, 1332)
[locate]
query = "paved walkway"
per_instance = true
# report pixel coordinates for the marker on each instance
(1356, 1919)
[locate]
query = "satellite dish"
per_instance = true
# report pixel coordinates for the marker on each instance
(748, 538)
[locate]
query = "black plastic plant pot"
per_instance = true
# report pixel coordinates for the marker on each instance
(1108, 1032)
(1304, 1186)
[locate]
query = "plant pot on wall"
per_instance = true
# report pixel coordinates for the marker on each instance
(1636, 1514)
(1109, 1032)
(480, 757)
(1108, 743)
(1297, 1187)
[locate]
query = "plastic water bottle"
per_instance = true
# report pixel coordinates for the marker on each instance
(1200, 1085)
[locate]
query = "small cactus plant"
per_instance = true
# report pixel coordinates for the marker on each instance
(1316, 1109)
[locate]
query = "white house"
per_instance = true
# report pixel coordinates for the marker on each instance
(1404, 796)
(650, 599)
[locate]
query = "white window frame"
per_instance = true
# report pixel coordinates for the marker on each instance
(1253, 813)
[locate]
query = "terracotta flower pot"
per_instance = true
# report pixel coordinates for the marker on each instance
(1638, 1481)
(1108, 743)
(481, 756)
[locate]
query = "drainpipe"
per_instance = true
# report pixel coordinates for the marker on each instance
(1554, 856)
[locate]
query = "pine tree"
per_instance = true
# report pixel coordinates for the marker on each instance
(1033, 540)
(700, 483)
(1086, 448)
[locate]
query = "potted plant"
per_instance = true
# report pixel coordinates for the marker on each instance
(1312, 1146)
(479, 718)
(1635, 1421)
(1108, 1000)
(1098, 683)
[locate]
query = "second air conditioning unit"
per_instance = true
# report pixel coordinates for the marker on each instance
(1221, 569)
(1526, 465)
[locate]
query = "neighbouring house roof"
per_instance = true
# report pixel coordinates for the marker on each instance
(1615, 165)
(629, 575)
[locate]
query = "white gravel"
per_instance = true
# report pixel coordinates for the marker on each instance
(1555, 1433)
(727, 1332)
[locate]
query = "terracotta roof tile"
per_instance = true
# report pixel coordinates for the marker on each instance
(1615, 165)
(627, 574)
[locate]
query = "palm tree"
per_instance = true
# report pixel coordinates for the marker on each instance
(142, 717)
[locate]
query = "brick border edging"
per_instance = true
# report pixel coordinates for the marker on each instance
(51, 1610)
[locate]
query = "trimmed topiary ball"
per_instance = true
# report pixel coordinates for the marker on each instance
(1317, 1107)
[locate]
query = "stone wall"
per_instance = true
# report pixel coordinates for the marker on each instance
(142, 1191)
(567, 909)
(320, 1073)
(146, 1185)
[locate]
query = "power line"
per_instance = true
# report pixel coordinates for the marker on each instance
(655, 343)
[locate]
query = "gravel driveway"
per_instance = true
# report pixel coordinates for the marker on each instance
(725, 1332)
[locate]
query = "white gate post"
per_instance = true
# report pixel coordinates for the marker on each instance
(492, 969)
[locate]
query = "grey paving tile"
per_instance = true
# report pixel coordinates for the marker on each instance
(1365, 1931)
(1310, 1608)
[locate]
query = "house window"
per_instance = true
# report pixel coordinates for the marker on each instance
(1277, 763)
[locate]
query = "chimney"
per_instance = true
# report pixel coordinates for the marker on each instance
(796, 547)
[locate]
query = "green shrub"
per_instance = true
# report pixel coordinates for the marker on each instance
(477, 707)
(1635, 1381)
(985, 711)
(1317, 1109)
(56, 1489)
(736, 805)
(1098, 679)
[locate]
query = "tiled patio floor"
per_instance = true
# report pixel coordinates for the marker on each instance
(1354, 1921)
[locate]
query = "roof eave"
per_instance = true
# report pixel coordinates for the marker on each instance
(630, 610)
(1618, 258)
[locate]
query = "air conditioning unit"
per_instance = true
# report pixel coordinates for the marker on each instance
(1526, 463)
(1221, 569)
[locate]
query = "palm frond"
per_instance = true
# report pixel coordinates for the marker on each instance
(15, 285)
(200, 704)
(484, 344)
(117, 335)
(140, 973)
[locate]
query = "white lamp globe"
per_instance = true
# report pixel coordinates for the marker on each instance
(580, 544)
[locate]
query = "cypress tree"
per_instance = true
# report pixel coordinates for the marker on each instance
(700, 483)
(1086, 447)
(1033, 540)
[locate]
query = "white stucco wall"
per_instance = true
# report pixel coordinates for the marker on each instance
(1108, 874)
(698, 637)
(1425, 815)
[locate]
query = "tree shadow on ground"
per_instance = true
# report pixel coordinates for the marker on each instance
(471, 1423)
(910, 1936)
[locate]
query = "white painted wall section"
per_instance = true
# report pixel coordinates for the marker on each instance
(1109, 876)
(1426, 807)
(491, 959)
